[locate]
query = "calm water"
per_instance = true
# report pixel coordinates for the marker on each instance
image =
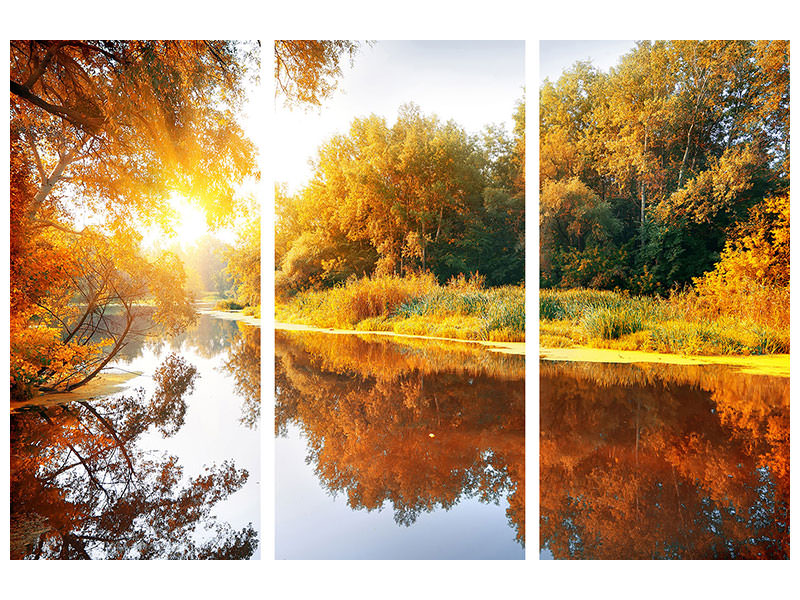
(663, 461)
(168, 468)
(390, 450)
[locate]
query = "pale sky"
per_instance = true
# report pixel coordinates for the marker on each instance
(557, 55)
(474, 83)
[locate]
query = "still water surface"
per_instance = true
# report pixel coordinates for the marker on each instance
(410, 450)
(168, 468)
(662, 461)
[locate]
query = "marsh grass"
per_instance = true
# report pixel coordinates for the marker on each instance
(415, 305)
(678, 324)
(608, 324)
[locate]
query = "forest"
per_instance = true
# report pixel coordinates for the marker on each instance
(666, 180)
(414, 196)
(103, 135)
(401, 219)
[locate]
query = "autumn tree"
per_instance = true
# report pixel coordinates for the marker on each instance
(414, 196)
(691, 465)
(82, 488)
(110, 129)
(306, 70)
(244, 259)
(244, 365)
(680, 139)
(401, 426)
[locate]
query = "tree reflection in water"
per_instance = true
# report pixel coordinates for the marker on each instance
(663, 461)
(244, 365)
(419, 427)
(82, 488)
(208, 338)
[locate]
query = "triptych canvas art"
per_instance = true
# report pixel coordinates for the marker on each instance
(398, 314)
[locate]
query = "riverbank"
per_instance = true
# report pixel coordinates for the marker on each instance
(106, 384)
(232, 315)
(776, 365)
(610, 320)
(415, 306)
(517, 348)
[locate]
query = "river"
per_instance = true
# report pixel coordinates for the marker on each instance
(167, 468)
(397, 449)
(641, 461)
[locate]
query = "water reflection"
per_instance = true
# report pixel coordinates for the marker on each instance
(209, 338)
(413, 428)
(244, 365)
(152, 472)
(663, 461)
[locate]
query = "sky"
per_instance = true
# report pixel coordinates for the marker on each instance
(557, 55)
(474, 83)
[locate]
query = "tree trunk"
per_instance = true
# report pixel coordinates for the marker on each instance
(685, 154)
(47, 184)
(641, 180)
(118, 346)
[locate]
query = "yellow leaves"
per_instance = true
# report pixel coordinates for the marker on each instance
(752, 275)
(39, 355)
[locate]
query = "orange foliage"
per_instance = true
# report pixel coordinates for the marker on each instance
(663, 461)
(386, 424)
(752, 277)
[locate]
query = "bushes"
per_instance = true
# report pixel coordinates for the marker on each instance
(415, 305)
(608, 324)
(682, 324)
(228, 305)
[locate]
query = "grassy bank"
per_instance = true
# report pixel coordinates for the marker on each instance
(413, 305)
(603, 319)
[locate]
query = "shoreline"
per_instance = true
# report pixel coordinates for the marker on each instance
(517, 348)
(776, 365)
(104, 385)
(231, 315)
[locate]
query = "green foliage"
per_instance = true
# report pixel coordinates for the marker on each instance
(610, 325)
(646, 171)
(681, 337)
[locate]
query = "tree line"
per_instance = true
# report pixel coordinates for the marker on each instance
(413, 196)
(650, 171)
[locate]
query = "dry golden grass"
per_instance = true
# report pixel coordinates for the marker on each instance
(686, 323)
(415, 305)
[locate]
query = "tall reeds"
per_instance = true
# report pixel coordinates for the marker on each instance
(415, 304)
(683, 323)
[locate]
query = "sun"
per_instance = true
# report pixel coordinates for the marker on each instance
(187, 226)
(190, 221)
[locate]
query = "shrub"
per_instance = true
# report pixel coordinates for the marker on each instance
(228, 305)
(610, 324)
